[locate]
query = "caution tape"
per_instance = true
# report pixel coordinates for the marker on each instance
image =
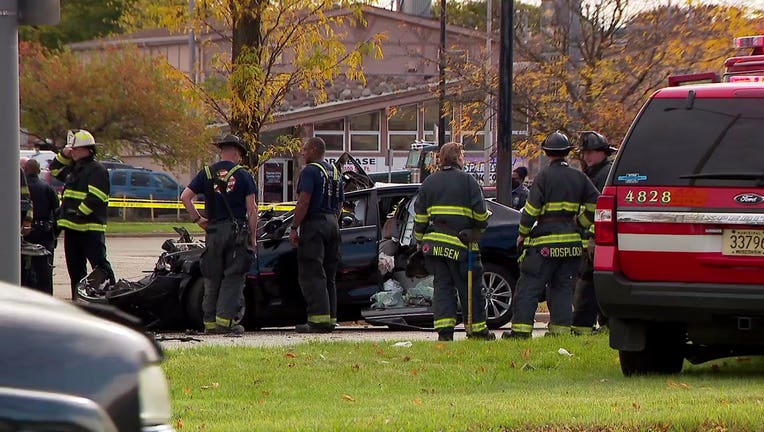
(167, 204)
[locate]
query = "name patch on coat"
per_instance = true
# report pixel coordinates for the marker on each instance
(562, 251)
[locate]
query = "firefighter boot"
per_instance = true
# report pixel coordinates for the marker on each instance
(446, 334)
(485, 335)
(511, 334)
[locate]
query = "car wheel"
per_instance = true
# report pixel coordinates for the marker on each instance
(499, 285)
(193, 303)
(663, 354)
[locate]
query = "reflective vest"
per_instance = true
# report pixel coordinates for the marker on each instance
(85, 198)
(214, 213)
(560, 206)
(331, 189)
(449, 201)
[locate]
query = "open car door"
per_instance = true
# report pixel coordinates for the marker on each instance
(353, 175)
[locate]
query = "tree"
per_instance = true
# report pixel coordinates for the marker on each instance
(600, 78)
(127, 100)
(277, 47)
(80, 20)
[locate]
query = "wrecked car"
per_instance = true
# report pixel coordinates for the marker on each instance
(375, 215)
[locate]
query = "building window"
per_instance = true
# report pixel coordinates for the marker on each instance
(333, 134)
(364, 132)
(402, 127)
(431, 118)
(473, 141)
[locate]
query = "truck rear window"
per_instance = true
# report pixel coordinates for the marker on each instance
(718, 141)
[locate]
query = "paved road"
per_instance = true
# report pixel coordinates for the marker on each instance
(129, 256)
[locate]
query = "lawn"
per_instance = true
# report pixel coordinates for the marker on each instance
(459, 386)
(118, 227)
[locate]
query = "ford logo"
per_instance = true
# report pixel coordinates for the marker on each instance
(749, 198)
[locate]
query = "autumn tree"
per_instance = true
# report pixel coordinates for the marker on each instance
(80, 20)
(277, 47)
(126, 99)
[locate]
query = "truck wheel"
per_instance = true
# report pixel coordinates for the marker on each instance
(193, 303)
(499, 284)
(663, 354)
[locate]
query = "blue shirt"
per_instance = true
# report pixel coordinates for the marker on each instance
(312, 181)
(240, 185)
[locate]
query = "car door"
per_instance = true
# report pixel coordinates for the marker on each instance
(357, 275)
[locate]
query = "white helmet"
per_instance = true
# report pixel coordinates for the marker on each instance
(79, 138)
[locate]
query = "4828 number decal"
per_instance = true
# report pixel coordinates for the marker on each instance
(648, 196)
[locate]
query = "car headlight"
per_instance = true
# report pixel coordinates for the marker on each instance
(154, 396)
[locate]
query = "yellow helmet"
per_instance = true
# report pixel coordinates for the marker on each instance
(79, 138)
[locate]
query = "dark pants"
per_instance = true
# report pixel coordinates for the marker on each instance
(450, 281)
(224, 265)
(536, 273)
(586, 309)
(82, 247)
(318, 255)
(39, 274)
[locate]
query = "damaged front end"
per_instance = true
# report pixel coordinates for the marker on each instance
(159, 298)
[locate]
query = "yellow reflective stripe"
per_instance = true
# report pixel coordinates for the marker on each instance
(532, 211)
(321, 167)
(584, 220)
(421, 218)
(561, 206)
(418, 236)
(457, 211)
(65, 223)
(225, 322)
(558, 329)
(98, 193)
(444, 323)
(522, 328)
(554, 238)
(63, 159)
(210, 325)
(319, 319)
(208, 172)
(84, 209)
(446, 238)
(524, 230)
(68, 193)
(590, 207)
(478, 327)
(25, 190)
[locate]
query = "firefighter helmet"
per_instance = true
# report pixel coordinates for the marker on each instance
(556, 141)
(592, 140)
(79, 138)
(234, 141)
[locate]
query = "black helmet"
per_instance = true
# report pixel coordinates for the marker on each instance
(591, 140)
(233, 140)
(556, 141)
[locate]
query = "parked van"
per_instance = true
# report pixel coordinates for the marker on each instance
(144, 184)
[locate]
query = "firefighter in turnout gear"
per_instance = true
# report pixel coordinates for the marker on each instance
(450, 205)
(230, 224)
(316, 234)
(595, 151)
(560, 205)
(85, 201)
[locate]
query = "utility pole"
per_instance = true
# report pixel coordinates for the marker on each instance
(13, 13)
(488, 116)
(442, 77)
(504, 145)
(191, 43)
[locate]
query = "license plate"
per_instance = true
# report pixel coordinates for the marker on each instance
(741, 242)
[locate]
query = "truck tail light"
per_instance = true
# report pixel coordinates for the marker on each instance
(604, 219)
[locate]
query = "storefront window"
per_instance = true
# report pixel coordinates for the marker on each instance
(402, 127)
(364, 132)
(333, 134)
(431, 119)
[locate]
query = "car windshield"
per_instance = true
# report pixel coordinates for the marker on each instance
(707, 144)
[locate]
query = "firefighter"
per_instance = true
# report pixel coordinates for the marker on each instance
(450, 214)
(45, 205)
(316, 234)
(595, 152)
(85, 200)
(230, 224)
(561, 203)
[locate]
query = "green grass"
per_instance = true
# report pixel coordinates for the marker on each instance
(460, 386)
(118, 227)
